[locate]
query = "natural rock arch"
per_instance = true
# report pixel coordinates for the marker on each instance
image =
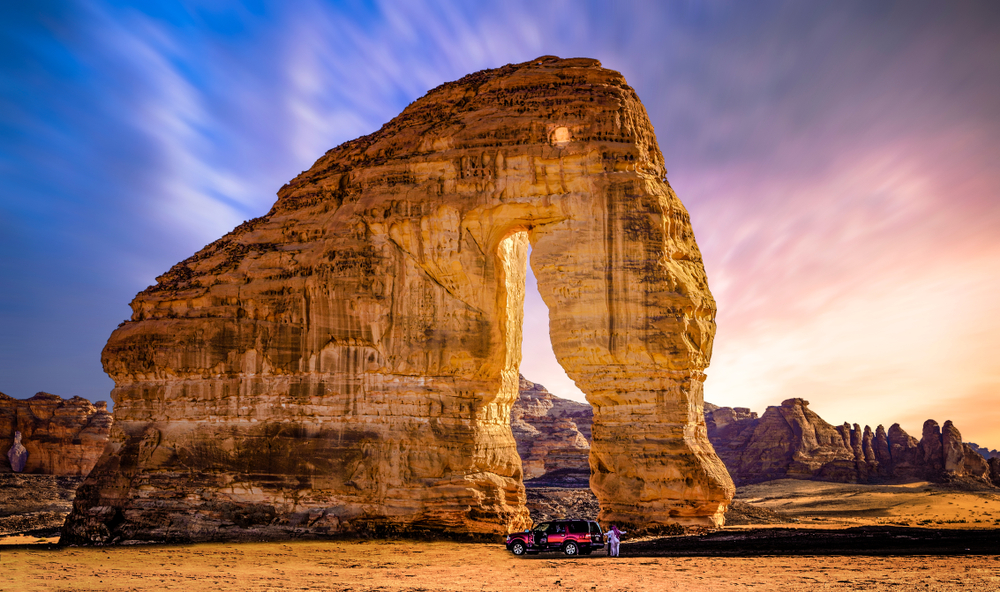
(348, 361)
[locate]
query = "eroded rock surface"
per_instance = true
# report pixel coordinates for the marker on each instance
(60, 436)
(553, 437)
(349, 360)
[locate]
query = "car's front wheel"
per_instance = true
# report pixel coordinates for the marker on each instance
(571, 549)
(518, 548)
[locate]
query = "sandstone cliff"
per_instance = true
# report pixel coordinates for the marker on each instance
(348, 361)
(62, 436)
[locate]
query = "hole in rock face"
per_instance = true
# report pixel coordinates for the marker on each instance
(538, 361)
(560, 137)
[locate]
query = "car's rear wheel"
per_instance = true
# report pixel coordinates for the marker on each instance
(518, 548)
(571, 548)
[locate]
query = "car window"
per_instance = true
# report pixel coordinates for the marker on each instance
(595, 527)
(578, 527)
(556, 528)
(541, 527)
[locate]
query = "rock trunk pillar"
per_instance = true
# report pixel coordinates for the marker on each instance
(632, 322)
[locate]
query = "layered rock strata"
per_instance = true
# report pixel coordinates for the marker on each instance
(792, 441)
(60, 436)
(348, 361)
(553, 437)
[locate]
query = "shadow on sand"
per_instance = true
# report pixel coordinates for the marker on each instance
(863, 540)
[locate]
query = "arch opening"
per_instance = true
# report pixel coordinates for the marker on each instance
(552, 419)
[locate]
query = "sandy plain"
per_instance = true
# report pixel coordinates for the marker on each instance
(410, 566)
(29, 563)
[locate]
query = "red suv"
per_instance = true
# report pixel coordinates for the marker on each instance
(572, 537)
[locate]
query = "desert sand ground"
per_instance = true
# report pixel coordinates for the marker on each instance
(33, 562)
(410, 566)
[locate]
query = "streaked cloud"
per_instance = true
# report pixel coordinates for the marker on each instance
(838, 159)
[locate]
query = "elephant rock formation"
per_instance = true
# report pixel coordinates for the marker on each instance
(348, 361)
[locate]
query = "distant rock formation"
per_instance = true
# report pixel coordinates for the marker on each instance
(60, 436)
(983, 451)
(789, 441)
(792, 441)
(553, 437)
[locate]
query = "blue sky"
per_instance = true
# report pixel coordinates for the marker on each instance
(839, 160)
